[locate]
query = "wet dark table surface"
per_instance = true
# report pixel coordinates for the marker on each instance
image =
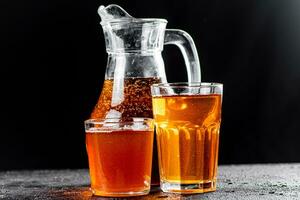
(272, 181)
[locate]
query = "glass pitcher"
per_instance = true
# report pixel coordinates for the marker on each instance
(135, 62)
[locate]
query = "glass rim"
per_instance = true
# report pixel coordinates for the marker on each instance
(187, 85)
(101, 121)
(110, 125)
(134, 20)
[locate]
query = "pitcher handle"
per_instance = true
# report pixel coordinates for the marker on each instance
(188, 49)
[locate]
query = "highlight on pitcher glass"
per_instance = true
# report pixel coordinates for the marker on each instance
(120, 155)
(187, 120)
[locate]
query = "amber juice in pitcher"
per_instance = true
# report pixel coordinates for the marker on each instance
(136, 98)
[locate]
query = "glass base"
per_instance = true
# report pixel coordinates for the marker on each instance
(191, 188)
(119, 194)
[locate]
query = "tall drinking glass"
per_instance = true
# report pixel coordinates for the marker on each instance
(187, 119)
(120, 155)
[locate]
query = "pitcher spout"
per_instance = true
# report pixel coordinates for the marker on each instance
(111, 13)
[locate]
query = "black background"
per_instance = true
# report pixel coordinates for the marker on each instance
(53, 61)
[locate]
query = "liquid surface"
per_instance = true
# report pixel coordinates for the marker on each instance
(119, 161)
(188, 137)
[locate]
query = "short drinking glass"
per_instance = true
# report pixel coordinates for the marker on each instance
(187, 119)
(120, 155)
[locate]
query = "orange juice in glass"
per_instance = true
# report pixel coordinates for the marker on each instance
(187, 119)
(120, 155)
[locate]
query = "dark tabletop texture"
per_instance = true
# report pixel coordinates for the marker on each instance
(271, 181)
